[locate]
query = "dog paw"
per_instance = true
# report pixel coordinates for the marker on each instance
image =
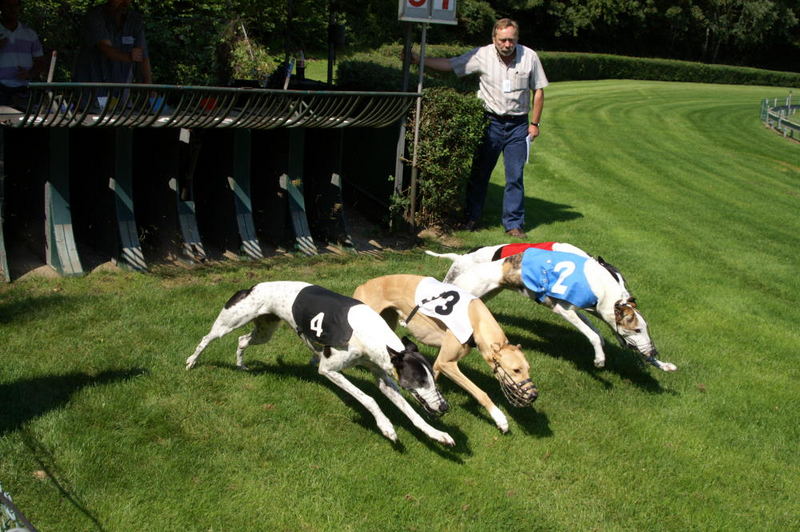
(445, 439)
(242, 367)
(499, 419)
(668, 366)
(387, 430)
(189, 364)
(599, 362)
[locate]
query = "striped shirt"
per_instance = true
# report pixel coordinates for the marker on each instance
(22, 45)
(504, 90)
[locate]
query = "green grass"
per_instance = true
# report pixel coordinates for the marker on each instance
(678, 185)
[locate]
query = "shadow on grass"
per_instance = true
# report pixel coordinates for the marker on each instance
(567, 343)
(48, 464)
(528, 419)
(308, 372)
(39, 307)
(27, 399)
(537, 211)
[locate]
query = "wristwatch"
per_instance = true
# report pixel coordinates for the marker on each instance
(535, 124)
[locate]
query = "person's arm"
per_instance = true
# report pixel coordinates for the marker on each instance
(145, 72)
(537, 104)
(39, 67)
(30, 74)
(134, 56)
(441, 64)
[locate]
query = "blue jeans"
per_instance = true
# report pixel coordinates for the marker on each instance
(507, 135)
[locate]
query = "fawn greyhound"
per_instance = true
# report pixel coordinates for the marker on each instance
(442, 315)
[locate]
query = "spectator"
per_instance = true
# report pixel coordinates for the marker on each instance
(21, 55)
(113, 48)
(512, 83)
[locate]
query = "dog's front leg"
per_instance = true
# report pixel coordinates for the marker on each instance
(581, 323)
(388, 388)
(368, 402)
(451, 369)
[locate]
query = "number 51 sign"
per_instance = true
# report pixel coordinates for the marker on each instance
(432, 11)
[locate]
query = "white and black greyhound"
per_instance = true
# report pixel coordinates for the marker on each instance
(342, 332)
(564, 278)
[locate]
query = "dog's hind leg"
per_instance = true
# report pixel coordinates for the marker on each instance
(366, 401)
(218, 330)
(265, 327)
(583, 325)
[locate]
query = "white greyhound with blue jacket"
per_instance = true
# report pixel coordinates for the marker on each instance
(342, 332)
(565, 279)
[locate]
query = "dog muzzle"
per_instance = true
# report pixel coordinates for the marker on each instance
(431, 398)
(519, 394)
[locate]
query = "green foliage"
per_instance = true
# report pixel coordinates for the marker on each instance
(449, 134)
(565, 66)
(382, 70)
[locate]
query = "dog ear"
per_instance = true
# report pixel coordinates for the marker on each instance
(619, 310)
(496, 347)
(632, 301)
(396, 357)
(409, 345)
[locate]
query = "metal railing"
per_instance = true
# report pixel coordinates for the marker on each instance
(782, 116)
(175, 106)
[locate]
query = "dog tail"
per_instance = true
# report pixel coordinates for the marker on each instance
(452, 256)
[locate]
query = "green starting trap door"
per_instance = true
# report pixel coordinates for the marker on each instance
(293, 184)
(239, 184)
(183, 188)
(121, 185)
(61, 252)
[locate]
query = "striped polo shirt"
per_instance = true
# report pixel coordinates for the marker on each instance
(21, 47)
(524, 73)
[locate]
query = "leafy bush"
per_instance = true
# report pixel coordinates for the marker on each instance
(381, 70)
(569, 66)
(451, 128)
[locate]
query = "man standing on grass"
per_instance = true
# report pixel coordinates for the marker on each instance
(512, 83)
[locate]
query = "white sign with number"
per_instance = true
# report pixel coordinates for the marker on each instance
(431, 11)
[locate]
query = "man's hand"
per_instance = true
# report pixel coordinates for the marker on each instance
(533, 131)
(137, 55)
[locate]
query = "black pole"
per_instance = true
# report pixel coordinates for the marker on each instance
(331, 39)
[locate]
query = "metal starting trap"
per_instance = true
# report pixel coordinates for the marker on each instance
(184, 172)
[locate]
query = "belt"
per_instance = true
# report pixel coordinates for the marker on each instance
(506, 118)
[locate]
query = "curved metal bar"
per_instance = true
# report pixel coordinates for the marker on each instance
(149, 106)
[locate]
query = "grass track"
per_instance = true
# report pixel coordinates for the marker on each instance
(677, 184)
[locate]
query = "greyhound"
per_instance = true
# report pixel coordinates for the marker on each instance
(342, 332)
(564, 278)
(442, 315)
